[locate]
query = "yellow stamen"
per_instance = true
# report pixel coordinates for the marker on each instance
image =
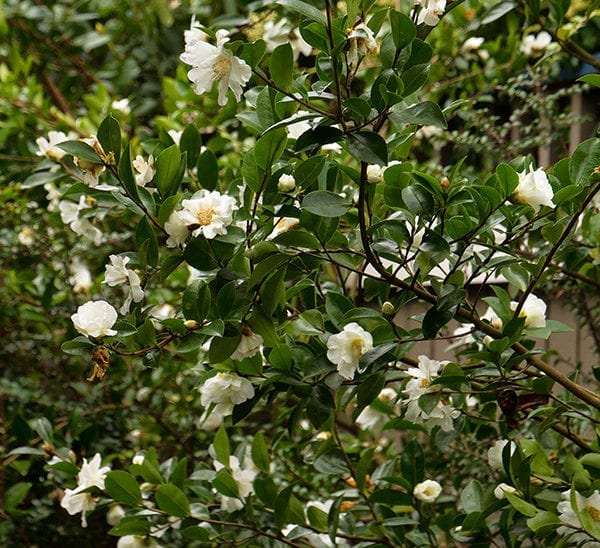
(205, 216)
(356, 348)
(594, 512)
(222, 67)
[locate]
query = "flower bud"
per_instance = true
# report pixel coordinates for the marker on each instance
(191, 324)
(48, 448)
(115, 514)
(286, 183)
(387, 308)
(347, 505)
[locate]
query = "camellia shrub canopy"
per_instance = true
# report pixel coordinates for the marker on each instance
(225, 270)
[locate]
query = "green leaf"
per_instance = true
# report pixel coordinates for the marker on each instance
(266, 490)
(417, 199)
(224, 483)
(172, 500)
(525, 508)
(497, 11)
(592, 79)
(80, 150)
(44, 429)
(331, 462)
(403, 29)
(109, 135)
(80, 346)
(191, 143)
(412, 463)
(584, 161)
(368, 146)
(260, 453)
(306, 173)
(281, 66)
(325, 204)
(167, 166)
(222, 347)
(15, 495)
(126, 175)
(414, 77)
(208, 170)
(472, 497)
(305, 9)
(426, 113)
(269, 148)
(221, 446)
(123, 488)
(195, 301)
(131, 525)
(543, 523)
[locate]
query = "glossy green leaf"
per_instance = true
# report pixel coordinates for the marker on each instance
(109, 136)
(123, 488)
(368, 146)
(281, 66)
(167, 166)
(325, 204)
(172, 500)
(80, 150)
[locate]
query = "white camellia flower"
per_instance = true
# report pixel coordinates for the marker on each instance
(81, 277)
(568, 516)
(249, 345)
(534, 311)
(92, 474)
(494, 454)
(430, 11)
(177, 230)
(533, 189)
(244, 477)
(281, 32)
(133, 541)
(283, 225)
(360, 43)
(214, 63)
(345, 349)
(122, 106)
(175, 135)
(534, 44)
(25, 237)
(226, 390)
(74, 502)
(503, 488)
(69, 213)
(473, 45)
(427, 491)
(95, 319)
(47, 147)
(375, 173)
(372, 419)
(286, 183)
(115, 514)
(443, 414)
(208, 213)
(117, 273)
(145, 169)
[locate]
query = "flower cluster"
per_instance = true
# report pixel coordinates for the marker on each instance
(443, 413)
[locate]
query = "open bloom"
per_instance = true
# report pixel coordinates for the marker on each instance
(249, 345)
(207, 213)
(117, 273)
(427, 490)
(534, 311)
(214, 64)
(430, 11)
(361, 42)
(533, 189)
(225, 390)
(243, 476)
(345, 349)
(47, 147)
(95, 319)
(90, 475)
(145, 169)
(534, 44)
(568, 516)
(371, 418)
(70, 215)
(177, 230)
(443, 414)
(81, 277)
(281, 32)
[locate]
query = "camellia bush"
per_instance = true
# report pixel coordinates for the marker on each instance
(228, 280)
